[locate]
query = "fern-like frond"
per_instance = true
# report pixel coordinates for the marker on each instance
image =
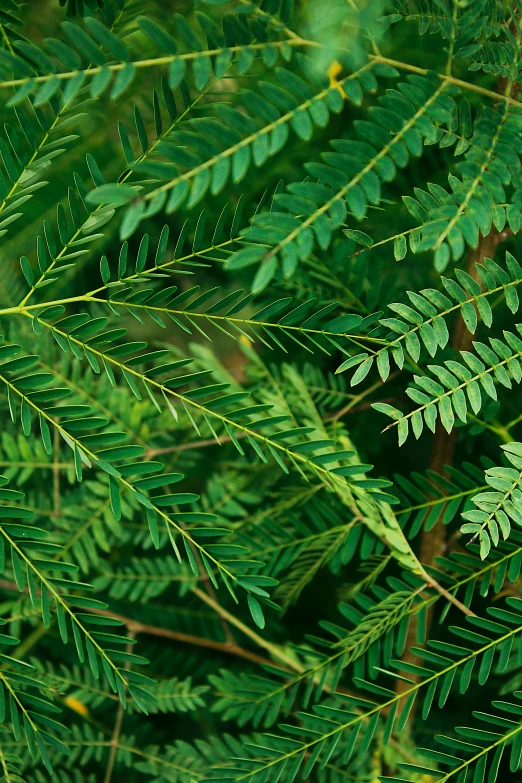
(354, 717)
(297, 542)
(485, 17)
(52, 586)
(429, 498)
(478, 750)
(364, 496)
(75, 685)
(45, 70)
(344, 191)
(320, 551)
(27, 151)
(495, 508)
(10, 24)
(381, 622)
(100, 347)
(79, 224)
(303, 324)
(20, 459)
(261, 699)
(459, 383)
(27, 154)
(101, 449)
(421, 324)
(236, 140)
(175, 695)
(475, 202)
(350, 179)
(143, 579)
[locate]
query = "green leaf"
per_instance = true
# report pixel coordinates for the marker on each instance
(112, 194)
(256, 611)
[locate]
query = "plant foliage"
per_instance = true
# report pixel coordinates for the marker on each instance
(235, 237)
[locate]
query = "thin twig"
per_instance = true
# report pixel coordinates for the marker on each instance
(273, 649)
(117, 725)
(447, 595)
(137, 627)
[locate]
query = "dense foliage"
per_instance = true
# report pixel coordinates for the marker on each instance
(260, 366)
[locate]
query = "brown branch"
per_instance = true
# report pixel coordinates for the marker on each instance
(448, 596)
(433, 541)
(115, 741)
(137, 627)
(114, 744)
(186, 638)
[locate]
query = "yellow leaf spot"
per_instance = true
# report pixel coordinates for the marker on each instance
(76, 705)
(333, 72)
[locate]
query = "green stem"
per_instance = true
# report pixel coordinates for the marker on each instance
(307, 746)
(359, 176)
(246, 142)
(126, 174)
(150, 62)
